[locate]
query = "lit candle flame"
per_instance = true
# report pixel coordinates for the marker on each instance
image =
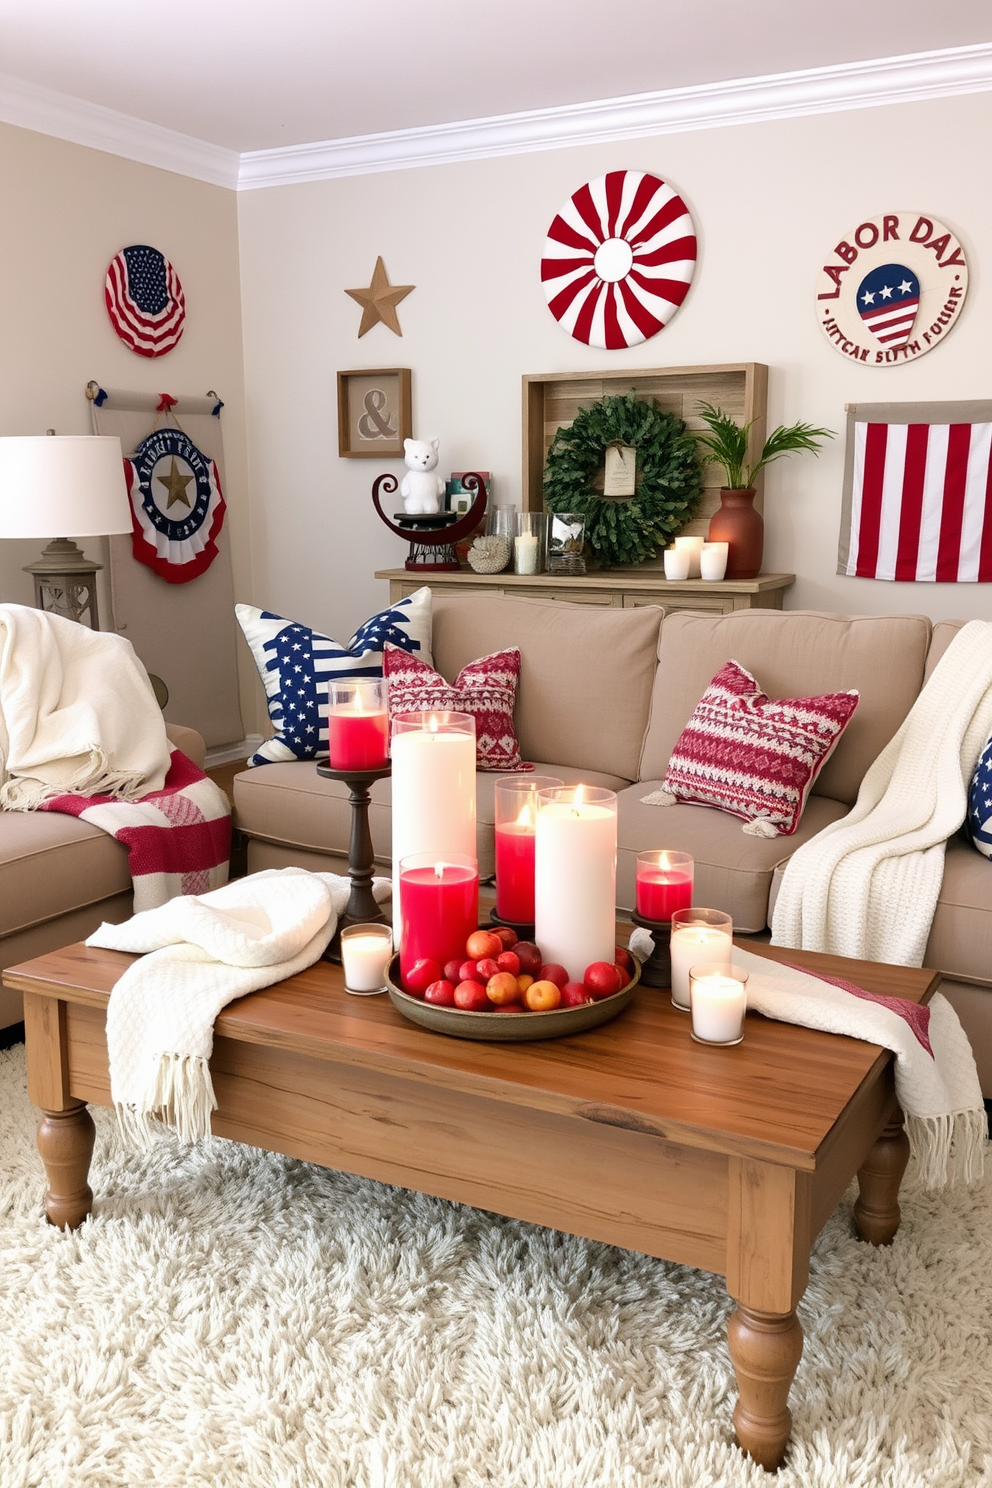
(526, 817)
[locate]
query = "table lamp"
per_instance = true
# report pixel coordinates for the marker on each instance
(58, 484)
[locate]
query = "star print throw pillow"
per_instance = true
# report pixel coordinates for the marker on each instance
(486, 689)
(979, 819)
(297, 665)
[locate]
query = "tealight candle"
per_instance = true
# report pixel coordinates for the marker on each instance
(440, 908)
(676, 564)
(719, 1001)
(692, 545)
(365, 953)
(575, 876)
(663, 883)
(357, 729)
(700, 937)
(516, 821)
(713, 561)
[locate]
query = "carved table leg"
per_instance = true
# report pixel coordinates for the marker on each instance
(65, 1141)
(765, 1349)
(876, 1212)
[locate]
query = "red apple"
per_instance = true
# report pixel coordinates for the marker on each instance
(471, 997)
(506, 935)
(468, 971)
(552, 972)
(488, 967)
(420, 976)
(441, 993)
(482, 943)
(602, 978)
(502, 988)
(542, 996)
(509, 961)
(453, 971)
(530, 956)
(575, 994)
(622, 973)
(622, 957)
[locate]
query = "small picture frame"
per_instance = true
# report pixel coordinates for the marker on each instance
(457, 498)
(374, 413)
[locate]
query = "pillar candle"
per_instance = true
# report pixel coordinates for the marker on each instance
(440, 910)
(693, 546)
(719, 1001)
(676, 564)
(695, 945)
(575, 875)
(713, 561)
(526, 554)
(433, 791)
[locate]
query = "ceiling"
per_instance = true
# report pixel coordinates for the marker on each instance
(251, 77)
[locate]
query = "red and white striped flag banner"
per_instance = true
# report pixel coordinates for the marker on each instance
(918, 493)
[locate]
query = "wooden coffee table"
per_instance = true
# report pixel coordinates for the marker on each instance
(726, 1159)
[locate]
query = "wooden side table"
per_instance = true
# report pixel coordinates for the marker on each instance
(616, 588)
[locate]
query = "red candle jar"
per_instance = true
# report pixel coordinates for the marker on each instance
(440, 908)
(357, 724)
(664, 883)
(515, 817)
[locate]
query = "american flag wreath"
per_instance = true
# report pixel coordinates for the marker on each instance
(177, 507)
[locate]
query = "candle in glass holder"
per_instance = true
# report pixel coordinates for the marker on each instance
(693, 546)
(515, 824)
(433, 792)
(700, 937)
(718, 995)
(440, 908)
(357, 728)
(664, 883)
(365, 953)
(713, 561)
(575, 876)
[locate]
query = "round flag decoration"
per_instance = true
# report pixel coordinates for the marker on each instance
(618, 259)
(177, 508)
(145, 300)
(891, 288)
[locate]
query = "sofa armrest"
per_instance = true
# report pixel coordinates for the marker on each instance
(189, 741)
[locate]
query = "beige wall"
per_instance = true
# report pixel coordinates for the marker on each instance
(67, 210)
(769, 201)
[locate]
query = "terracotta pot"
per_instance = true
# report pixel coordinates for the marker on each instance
(743, 529)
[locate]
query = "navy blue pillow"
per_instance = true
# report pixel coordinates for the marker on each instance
(978, 823)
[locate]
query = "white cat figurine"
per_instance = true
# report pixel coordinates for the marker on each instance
(420, 488)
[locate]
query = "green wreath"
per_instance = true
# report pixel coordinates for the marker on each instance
(669, 477)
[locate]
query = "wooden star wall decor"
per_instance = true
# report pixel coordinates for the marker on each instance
(379, 301)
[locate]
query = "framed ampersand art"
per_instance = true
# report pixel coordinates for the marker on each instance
(375, 413)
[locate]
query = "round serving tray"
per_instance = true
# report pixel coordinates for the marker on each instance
(507, 1028)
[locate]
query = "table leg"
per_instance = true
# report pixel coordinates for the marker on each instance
(876, 1211)
(765, 1349)
(65, 1141)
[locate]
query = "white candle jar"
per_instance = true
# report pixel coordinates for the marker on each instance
(713, 561)
(528, 545)
(433, 791)
(365, 954)
(693, 546)
(700, 937)
(676, 564)
(575, 876)
(718, 997)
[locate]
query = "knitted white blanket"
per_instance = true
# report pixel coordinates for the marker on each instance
(77, 713)
(200, 952)
(867, 885)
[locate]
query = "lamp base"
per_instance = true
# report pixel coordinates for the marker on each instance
(65, 582)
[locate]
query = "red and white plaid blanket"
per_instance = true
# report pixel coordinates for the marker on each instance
(178, 838)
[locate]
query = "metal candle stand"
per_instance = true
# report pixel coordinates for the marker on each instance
(523, 932)
(657, 969)
(362, 908)
(432, 535)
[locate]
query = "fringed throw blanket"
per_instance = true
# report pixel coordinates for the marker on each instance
(178, 838)
(867, 885)
(198, 954)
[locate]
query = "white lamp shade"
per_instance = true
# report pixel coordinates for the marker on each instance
(62, 485)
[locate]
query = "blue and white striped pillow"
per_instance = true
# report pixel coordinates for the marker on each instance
(297, 665)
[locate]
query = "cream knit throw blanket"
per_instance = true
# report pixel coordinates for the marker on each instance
(867, 885)
(77, 713)
(200, 952)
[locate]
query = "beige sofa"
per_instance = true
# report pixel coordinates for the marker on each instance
(59, 879)
(604, 694)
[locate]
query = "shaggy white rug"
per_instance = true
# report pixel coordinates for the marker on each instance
(229, 1319)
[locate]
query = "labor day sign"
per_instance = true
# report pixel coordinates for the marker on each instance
(892, 288)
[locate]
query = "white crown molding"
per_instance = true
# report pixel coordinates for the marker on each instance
(851, 85)
(47, 112)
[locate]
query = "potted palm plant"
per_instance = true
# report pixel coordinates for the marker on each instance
(736, 522)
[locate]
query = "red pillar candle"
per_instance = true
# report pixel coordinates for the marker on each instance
(357, 724)
(440, 909)
(515, 816)
(664, 883)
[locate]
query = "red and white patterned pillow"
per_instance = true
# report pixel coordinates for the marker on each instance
(752, 757)
(487, 689)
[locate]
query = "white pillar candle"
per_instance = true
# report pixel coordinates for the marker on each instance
(695, 945)
(433, 791)
(526, 553)
(365, 953)
(713, 561)
(719, 1002)
(693, 546)
(676, 564)
(575, 876)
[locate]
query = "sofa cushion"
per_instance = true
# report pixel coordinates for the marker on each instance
(960, 941)
(485, 689)
(978, 823)
(585, 672)
(297, 665)
(732, 871)
(51, 864)
(793, 652)
(752, 757)
(944, 632)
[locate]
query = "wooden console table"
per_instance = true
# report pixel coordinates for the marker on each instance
(618, 588)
